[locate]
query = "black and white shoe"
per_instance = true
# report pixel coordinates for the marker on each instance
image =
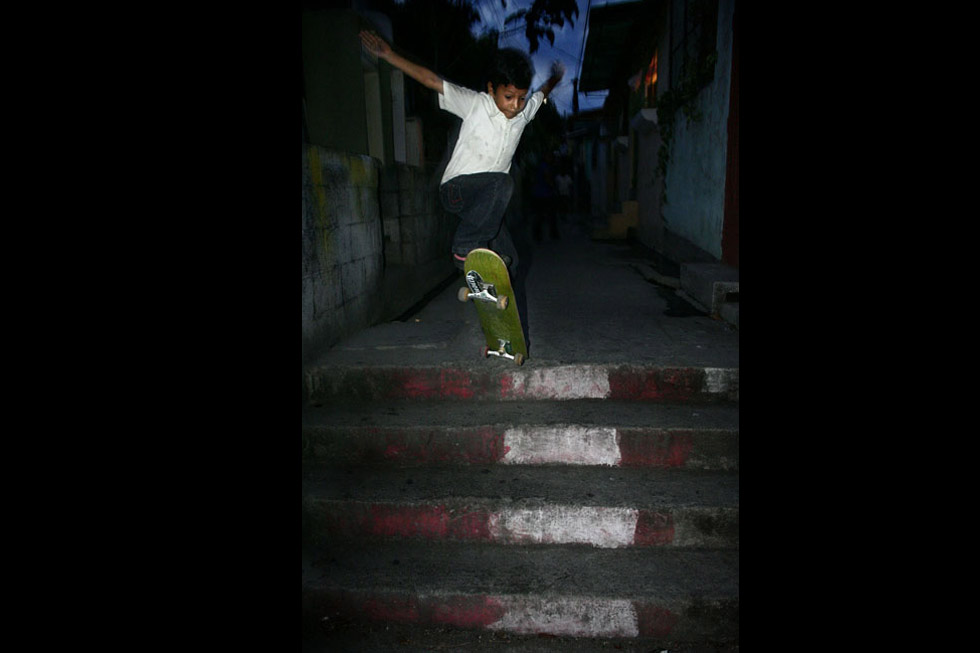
(459, 262)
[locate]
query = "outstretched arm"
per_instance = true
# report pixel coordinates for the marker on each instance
(380, 48)
(557, 72)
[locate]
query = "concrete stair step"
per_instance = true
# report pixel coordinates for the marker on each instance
(658, 594)
(575, 432)
(507, 382)
(342, 634)
(712, 286)
(593, 506)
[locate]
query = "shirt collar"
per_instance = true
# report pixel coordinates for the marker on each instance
(491, 106)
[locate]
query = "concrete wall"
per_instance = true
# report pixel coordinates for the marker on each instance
(416, 228)
(695, 208)
(649, 184)
(342, 250)
(375, 238)
(417, 237)
(375, 242)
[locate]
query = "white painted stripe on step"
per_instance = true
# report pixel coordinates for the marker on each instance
(569, 445)
(571, 617)
(603, 527)
(562, 382)
(719, 380)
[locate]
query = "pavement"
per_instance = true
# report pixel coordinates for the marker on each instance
(582, 302)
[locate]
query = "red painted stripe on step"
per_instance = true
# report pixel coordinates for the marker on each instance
(434, 383)
(639, 448)
(653, 529)
(415, 521)
(431, 522)
(654, 620)
(461, 611)
(657, 384)
(468, 446)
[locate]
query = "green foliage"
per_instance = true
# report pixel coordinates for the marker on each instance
(542, 18)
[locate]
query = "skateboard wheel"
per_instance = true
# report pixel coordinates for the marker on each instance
(519, 359)
(485, 352)
(463, 294)
(502, 302)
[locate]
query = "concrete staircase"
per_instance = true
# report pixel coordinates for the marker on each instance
(481, 505)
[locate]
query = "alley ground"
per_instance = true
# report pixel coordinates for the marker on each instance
(581, 301)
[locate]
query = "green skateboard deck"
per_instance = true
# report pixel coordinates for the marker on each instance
(488, 286)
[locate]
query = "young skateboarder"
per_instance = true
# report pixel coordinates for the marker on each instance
(476, 185)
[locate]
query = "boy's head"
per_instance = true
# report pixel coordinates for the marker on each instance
(510, 79)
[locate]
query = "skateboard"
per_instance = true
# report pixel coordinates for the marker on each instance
(488, 287)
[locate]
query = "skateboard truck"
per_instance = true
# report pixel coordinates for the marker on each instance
(504, 352)
(479, 290)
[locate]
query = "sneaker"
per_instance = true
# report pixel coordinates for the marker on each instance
(458, 262)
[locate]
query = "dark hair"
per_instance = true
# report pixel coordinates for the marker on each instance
(511, 66)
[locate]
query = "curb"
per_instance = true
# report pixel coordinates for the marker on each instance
(562, 444)
(577, 616)
(604, 527)
(562, 382)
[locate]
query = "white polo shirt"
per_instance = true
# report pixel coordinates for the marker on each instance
(487, 139)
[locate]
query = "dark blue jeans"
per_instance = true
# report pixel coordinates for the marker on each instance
(480, 201)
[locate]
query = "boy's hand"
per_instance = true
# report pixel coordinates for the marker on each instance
(375, 44)
(380, 48)
(557, 70)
